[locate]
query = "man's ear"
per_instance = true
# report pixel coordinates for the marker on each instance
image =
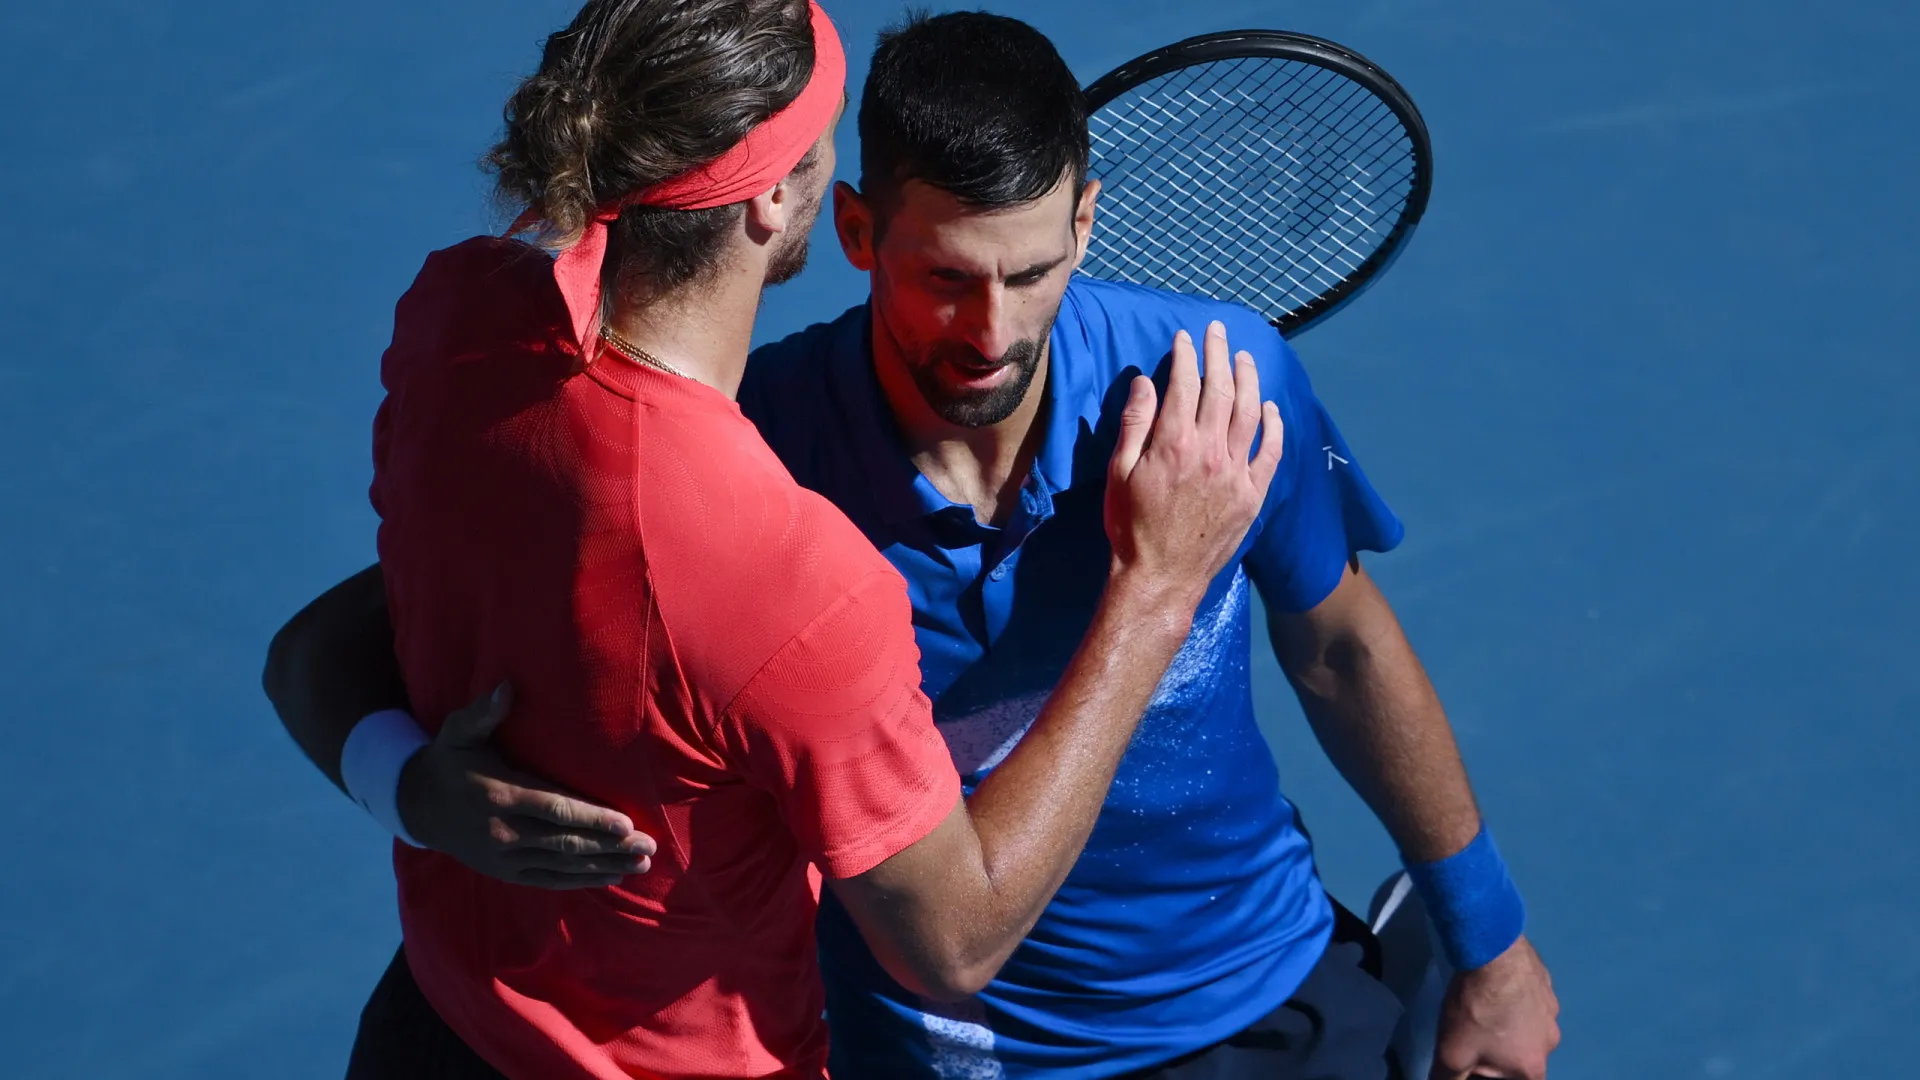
(853, 222)
(768, 213)
(1083, 220)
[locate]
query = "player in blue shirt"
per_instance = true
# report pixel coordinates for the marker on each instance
(962, 420)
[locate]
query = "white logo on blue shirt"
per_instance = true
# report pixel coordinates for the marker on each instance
(962, 1043)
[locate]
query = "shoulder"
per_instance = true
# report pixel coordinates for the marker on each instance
(486, 281)
(479, 296)
(1120, 321)
(743, 558)
(796, 389)
(1124, 325)
(793, 377)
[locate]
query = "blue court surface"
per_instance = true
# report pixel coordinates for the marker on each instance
(1643, 388)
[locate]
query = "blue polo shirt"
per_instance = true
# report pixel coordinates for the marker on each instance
(1195, 909)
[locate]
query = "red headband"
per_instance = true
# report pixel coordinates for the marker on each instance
(753, 165)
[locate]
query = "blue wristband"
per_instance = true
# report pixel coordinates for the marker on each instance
(377, 748)
(1474, 905)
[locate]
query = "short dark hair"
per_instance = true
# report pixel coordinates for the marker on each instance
(636, 91)
(980, 106)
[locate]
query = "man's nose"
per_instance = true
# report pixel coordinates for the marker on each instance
(990, 322)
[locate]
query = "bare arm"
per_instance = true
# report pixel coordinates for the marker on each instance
(1377, 716)
(943, 915)
(331, 665)
(1375, 712)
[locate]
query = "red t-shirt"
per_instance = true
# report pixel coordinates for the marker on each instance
(692, 638)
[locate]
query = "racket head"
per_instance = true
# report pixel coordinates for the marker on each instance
(1276, 170)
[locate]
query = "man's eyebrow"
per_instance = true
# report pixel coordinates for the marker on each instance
(1040, 268)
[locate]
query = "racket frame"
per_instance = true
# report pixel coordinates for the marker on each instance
(1319, 52)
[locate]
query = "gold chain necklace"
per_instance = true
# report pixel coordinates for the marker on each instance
(637, 354)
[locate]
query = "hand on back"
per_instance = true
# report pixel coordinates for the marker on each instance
(1181, 491)
(459, 797)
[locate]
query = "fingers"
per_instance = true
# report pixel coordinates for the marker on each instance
(1217, 391)
(554, 862)
(525, 832)
(1183, 391)
(1272, 438)
(1136, 420)
(558, 808)
(1246, 406)
(474, 724)
(531, 852)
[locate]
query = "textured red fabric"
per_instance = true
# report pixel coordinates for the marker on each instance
(692, 638)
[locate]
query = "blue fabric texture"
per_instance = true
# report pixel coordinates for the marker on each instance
(1473, 902)
(1195, 909)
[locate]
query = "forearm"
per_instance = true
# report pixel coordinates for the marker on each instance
(1032, 815)
(1374, 711)
(331, 665)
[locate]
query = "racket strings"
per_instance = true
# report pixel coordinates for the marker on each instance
(1330, 247)
(1315, 187)
(1261, 180)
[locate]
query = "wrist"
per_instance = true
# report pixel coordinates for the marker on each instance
(1473, 903)
(1510, 957)
(409, 798)
(1147, 596)
(375, 755)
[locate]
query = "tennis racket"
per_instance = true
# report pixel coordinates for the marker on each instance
(1271, 169)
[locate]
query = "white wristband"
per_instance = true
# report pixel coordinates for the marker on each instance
(377, 748)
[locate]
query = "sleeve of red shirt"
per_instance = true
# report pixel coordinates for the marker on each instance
(836, 728)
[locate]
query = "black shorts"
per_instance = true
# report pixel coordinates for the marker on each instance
(1336, 1026)
(402, 1038)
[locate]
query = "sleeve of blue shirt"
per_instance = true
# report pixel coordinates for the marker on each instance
(1321, 509)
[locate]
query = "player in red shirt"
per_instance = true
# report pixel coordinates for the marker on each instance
(572, 503)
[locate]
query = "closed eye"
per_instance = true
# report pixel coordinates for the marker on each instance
(1035, 274)
(1032, 275)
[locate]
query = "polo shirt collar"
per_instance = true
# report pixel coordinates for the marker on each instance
(1074, 395)
(899, 490)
